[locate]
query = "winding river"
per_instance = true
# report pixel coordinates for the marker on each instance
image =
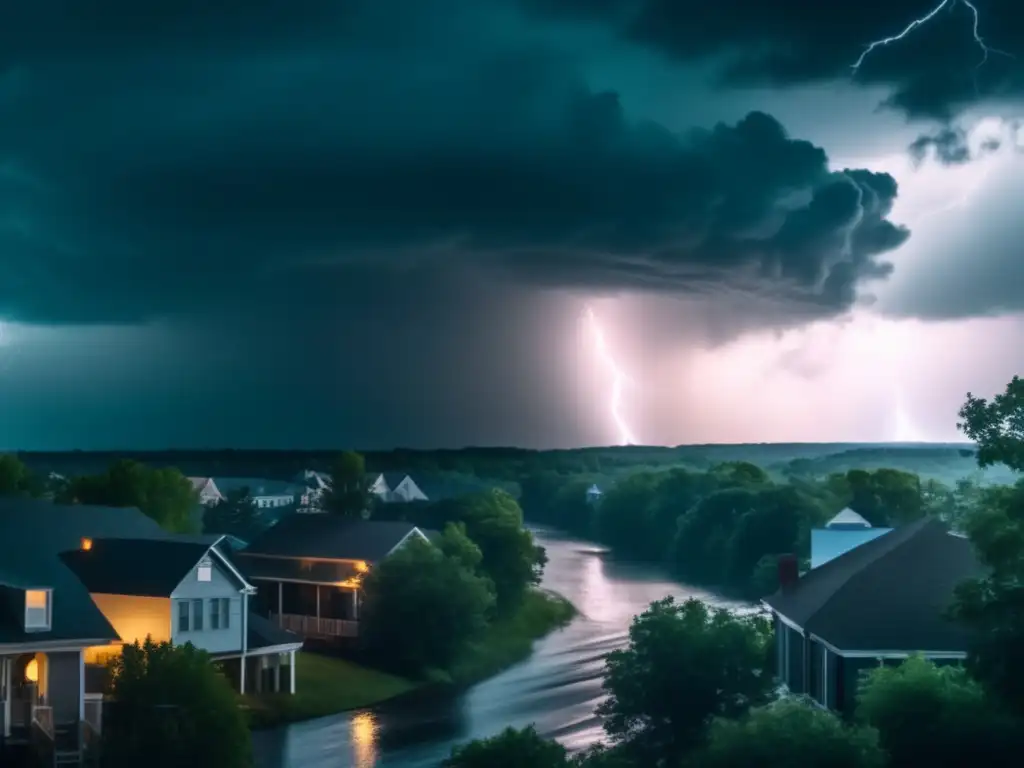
(557, 688)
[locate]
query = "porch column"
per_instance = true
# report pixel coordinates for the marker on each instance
(277, 673)
(259, 673)
(280, 598)
(318, 608)
(355, 605)
(6, 664)
(291, 671)
(241, 674)
(81, 685)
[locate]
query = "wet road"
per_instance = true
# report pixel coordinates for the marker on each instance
(557, 688)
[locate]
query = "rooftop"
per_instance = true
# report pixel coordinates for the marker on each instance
(329, 537)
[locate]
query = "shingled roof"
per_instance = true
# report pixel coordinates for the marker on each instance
(329, 537)
(140, 567)
(889, 594)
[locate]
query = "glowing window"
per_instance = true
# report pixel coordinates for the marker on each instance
(37, 609)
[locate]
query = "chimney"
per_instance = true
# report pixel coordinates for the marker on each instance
(789, 572)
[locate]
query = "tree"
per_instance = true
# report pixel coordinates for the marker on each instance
(624, 513)
(422, 608)
(456, 545)
(685, 665)
(349, 492)
(171, 707)
(164, 494)
(236, 515)
(997, 426)
(790, 734)
(494, 521)
(509, 749)
(15, 477)
(701, 546)
(936, 716)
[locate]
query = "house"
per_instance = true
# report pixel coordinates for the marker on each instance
(315, 483)
(182, 591)
(207, 490)
(392, 487)
(841, 534)
(266, 494)
(47, 624)
(875, 604)
(594, 494)
(310, 568)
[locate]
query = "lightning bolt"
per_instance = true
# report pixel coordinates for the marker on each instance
(619, 379)
(920, 22)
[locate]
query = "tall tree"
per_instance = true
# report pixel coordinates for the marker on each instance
(997, 426)
(349, 492)
(163, 494)
(685, 665)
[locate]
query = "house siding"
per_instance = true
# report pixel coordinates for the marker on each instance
(133, 618)
(64, 687)
(221, 585)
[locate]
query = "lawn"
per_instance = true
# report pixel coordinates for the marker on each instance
(325, 685)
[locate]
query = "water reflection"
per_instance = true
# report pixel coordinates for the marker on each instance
(557, 688)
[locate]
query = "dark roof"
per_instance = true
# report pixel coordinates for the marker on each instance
(263, 633)
(288, 569)
(889, 594)
(74, 614)
(258, 486)
(141, 567)
(57, 528)
(329, 536)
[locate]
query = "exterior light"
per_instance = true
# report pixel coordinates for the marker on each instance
(86, 544)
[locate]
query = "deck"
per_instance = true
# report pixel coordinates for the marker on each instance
(313, 626)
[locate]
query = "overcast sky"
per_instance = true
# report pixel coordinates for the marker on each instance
(379, 223)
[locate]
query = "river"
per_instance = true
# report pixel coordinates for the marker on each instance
(557, 688)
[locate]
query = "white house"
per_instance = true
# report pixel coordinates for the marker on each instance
(392, 487)
(209, 493)
(594, 494)
(266, 494)
(842, 533)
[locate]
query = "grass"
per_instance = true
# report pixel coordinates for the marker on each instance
(325, 685)
(510, 640)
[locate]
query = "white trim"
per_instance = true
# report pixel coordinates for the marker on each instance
(824, 676)
(888, 654)
(56, 646)
(402, 541)
(301, 581)
(291, 674)
(227, 563)
(247, 553)
(81, 686)
(788, 622)
(264, 651)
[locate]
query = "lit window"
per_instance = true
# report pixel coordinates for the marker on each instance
(37, 609)
(205, 571)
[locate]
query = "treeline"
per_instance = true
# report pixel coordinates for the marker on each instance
(696, 687)
(728, 525)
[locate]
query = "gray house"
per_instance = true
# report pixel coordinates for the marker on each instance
(875, 604)
(310, 569)
(183, 591)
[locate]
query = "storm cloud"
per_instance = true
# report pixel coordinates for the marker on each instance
(334, 147)
(936, 71)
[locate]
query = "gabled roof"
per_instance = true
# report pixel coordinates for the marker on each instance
(331, 537)
(848, 518)
(297, 569)
(889, 594)
(258, 486)
(47, 527)
(74, 616)
(140, 567)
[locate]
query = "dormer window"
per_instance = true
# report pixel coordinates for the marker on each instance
(38, 609)
(205, 570)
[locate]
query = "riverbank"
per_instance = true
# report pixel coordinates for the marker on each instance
(327, 685)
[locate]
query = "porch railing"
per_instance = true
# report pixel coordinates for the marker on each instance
(312, 626)
(94, 711)
(43, 718)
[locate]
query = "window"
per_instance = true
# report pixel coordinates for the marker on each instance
(197, 615)
(225, 613)
(205, 571)
(215, 614)
(183, 625)
(37, 609)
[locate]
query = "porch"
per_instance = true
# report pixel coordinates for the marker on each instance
(321, 611)
(44, 707)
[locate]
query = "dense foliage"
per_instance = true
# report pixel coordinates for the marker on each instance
(16, 479)
(163, 494)
(509, 749)
(235, 515)
(172, 707)
(423, 607)
(349, 492)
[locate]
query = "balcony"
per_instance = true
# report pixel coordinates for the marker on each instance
(318, 627)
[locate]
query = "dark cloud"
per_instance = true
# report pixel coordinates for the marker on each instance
(936, 71)
(950, 146)
(151, 165)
